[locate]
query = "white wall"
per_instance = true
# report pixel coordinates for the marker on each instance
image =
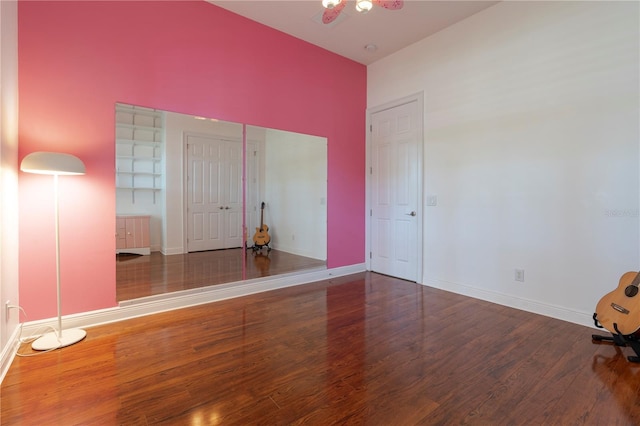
(532, 146)
(296, 193)
(8, 176)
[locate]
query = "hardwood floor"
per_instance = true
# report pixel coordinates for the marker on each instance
(359, 350)
(141, 276)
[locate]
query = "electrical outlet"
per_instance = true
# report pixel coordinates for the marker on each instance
(519, 275)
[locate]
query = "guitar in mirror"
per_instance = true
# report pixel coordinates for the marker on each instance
(203, 202)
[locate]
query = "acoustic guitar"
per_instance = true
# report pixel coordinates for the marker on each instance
(261, 237)
(619, 310)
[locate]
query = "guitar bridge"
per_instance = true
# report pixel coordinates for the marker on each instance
(620, 309)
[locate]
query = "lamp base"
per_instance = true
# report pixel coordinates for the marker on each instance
(51, 340)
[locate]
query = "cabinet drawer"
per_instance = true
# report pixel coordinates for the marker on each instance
(132, 234)
(121, 233)
(137, 232)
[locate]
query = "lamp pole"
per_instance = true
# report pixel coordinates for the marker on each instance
(57, 219)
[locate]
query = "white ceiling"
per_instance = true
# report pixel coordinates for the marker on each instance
(389, 30)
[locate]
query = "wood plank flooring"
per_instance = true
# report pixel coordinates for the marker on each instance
(359, 350)
(141, 276)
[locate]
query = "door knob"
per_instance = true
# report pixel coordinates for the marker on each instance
(412, 214)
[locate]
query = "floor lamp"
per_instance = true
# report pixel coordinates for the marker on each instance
(56, 164)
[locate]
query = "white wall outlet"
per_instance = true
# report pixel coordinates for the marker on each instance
(432, 200)
(519, 275)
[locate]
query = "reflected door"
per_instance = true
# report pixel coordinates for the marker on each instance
(395, 198)
(214, 199)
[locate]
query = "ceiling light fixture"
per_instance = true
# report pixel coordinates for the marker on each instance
(363, 6)
(333, 8)
(330, 4)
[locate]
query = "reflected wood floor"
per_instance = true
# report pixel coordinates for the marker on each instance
(141, 276)
(359, 350)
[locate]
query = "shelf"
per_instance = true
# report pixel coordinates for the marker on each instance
(138, 188)
(140, 127)
(139, 173)
(137, 142)
(139, 149)
(138, 158)
(136, 109)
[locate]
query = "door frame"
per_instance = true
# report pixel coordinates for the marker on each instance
(257, 188)
(185, 180)
(419, 99)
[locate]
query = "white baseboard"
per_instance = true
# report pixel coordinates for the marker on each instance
(558, 312)
(168, 251)
(9, 352)
(182, 299)
(143, 251)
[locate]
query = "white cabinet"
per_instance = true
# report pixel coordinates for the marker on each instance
(132, 235)
(139, 146)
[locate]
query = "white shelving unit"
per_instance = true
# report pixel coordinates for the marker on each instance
(139, 146)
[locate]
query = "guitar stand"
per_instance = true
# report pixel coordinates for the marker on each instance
(257, 247)
(619, 340)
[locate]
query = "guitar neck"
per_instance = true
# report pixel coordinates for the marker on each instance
(261, 215)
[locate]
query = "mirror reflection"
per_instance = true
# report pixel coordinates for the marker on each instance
(202, 202)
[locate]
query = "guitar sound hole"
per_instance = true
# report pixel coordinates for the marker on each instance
(631, 291)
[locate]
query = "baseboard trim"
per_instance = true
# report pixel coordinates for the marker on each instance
(162, 303)
(9, 352)
(167, 251)
(553, 311)
(142, 251)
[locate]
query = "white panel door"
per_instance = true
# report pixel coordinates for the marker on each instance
(214, 196)
(395, 198)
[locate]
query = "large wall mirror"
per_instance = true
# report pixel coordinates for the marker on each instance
(202, 202)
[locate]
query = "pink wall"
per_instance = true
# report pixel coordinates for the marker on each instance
(76, 59)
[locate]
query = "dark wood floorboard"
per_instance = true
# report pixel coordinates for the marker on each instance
(141, 276)
(359, 350)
